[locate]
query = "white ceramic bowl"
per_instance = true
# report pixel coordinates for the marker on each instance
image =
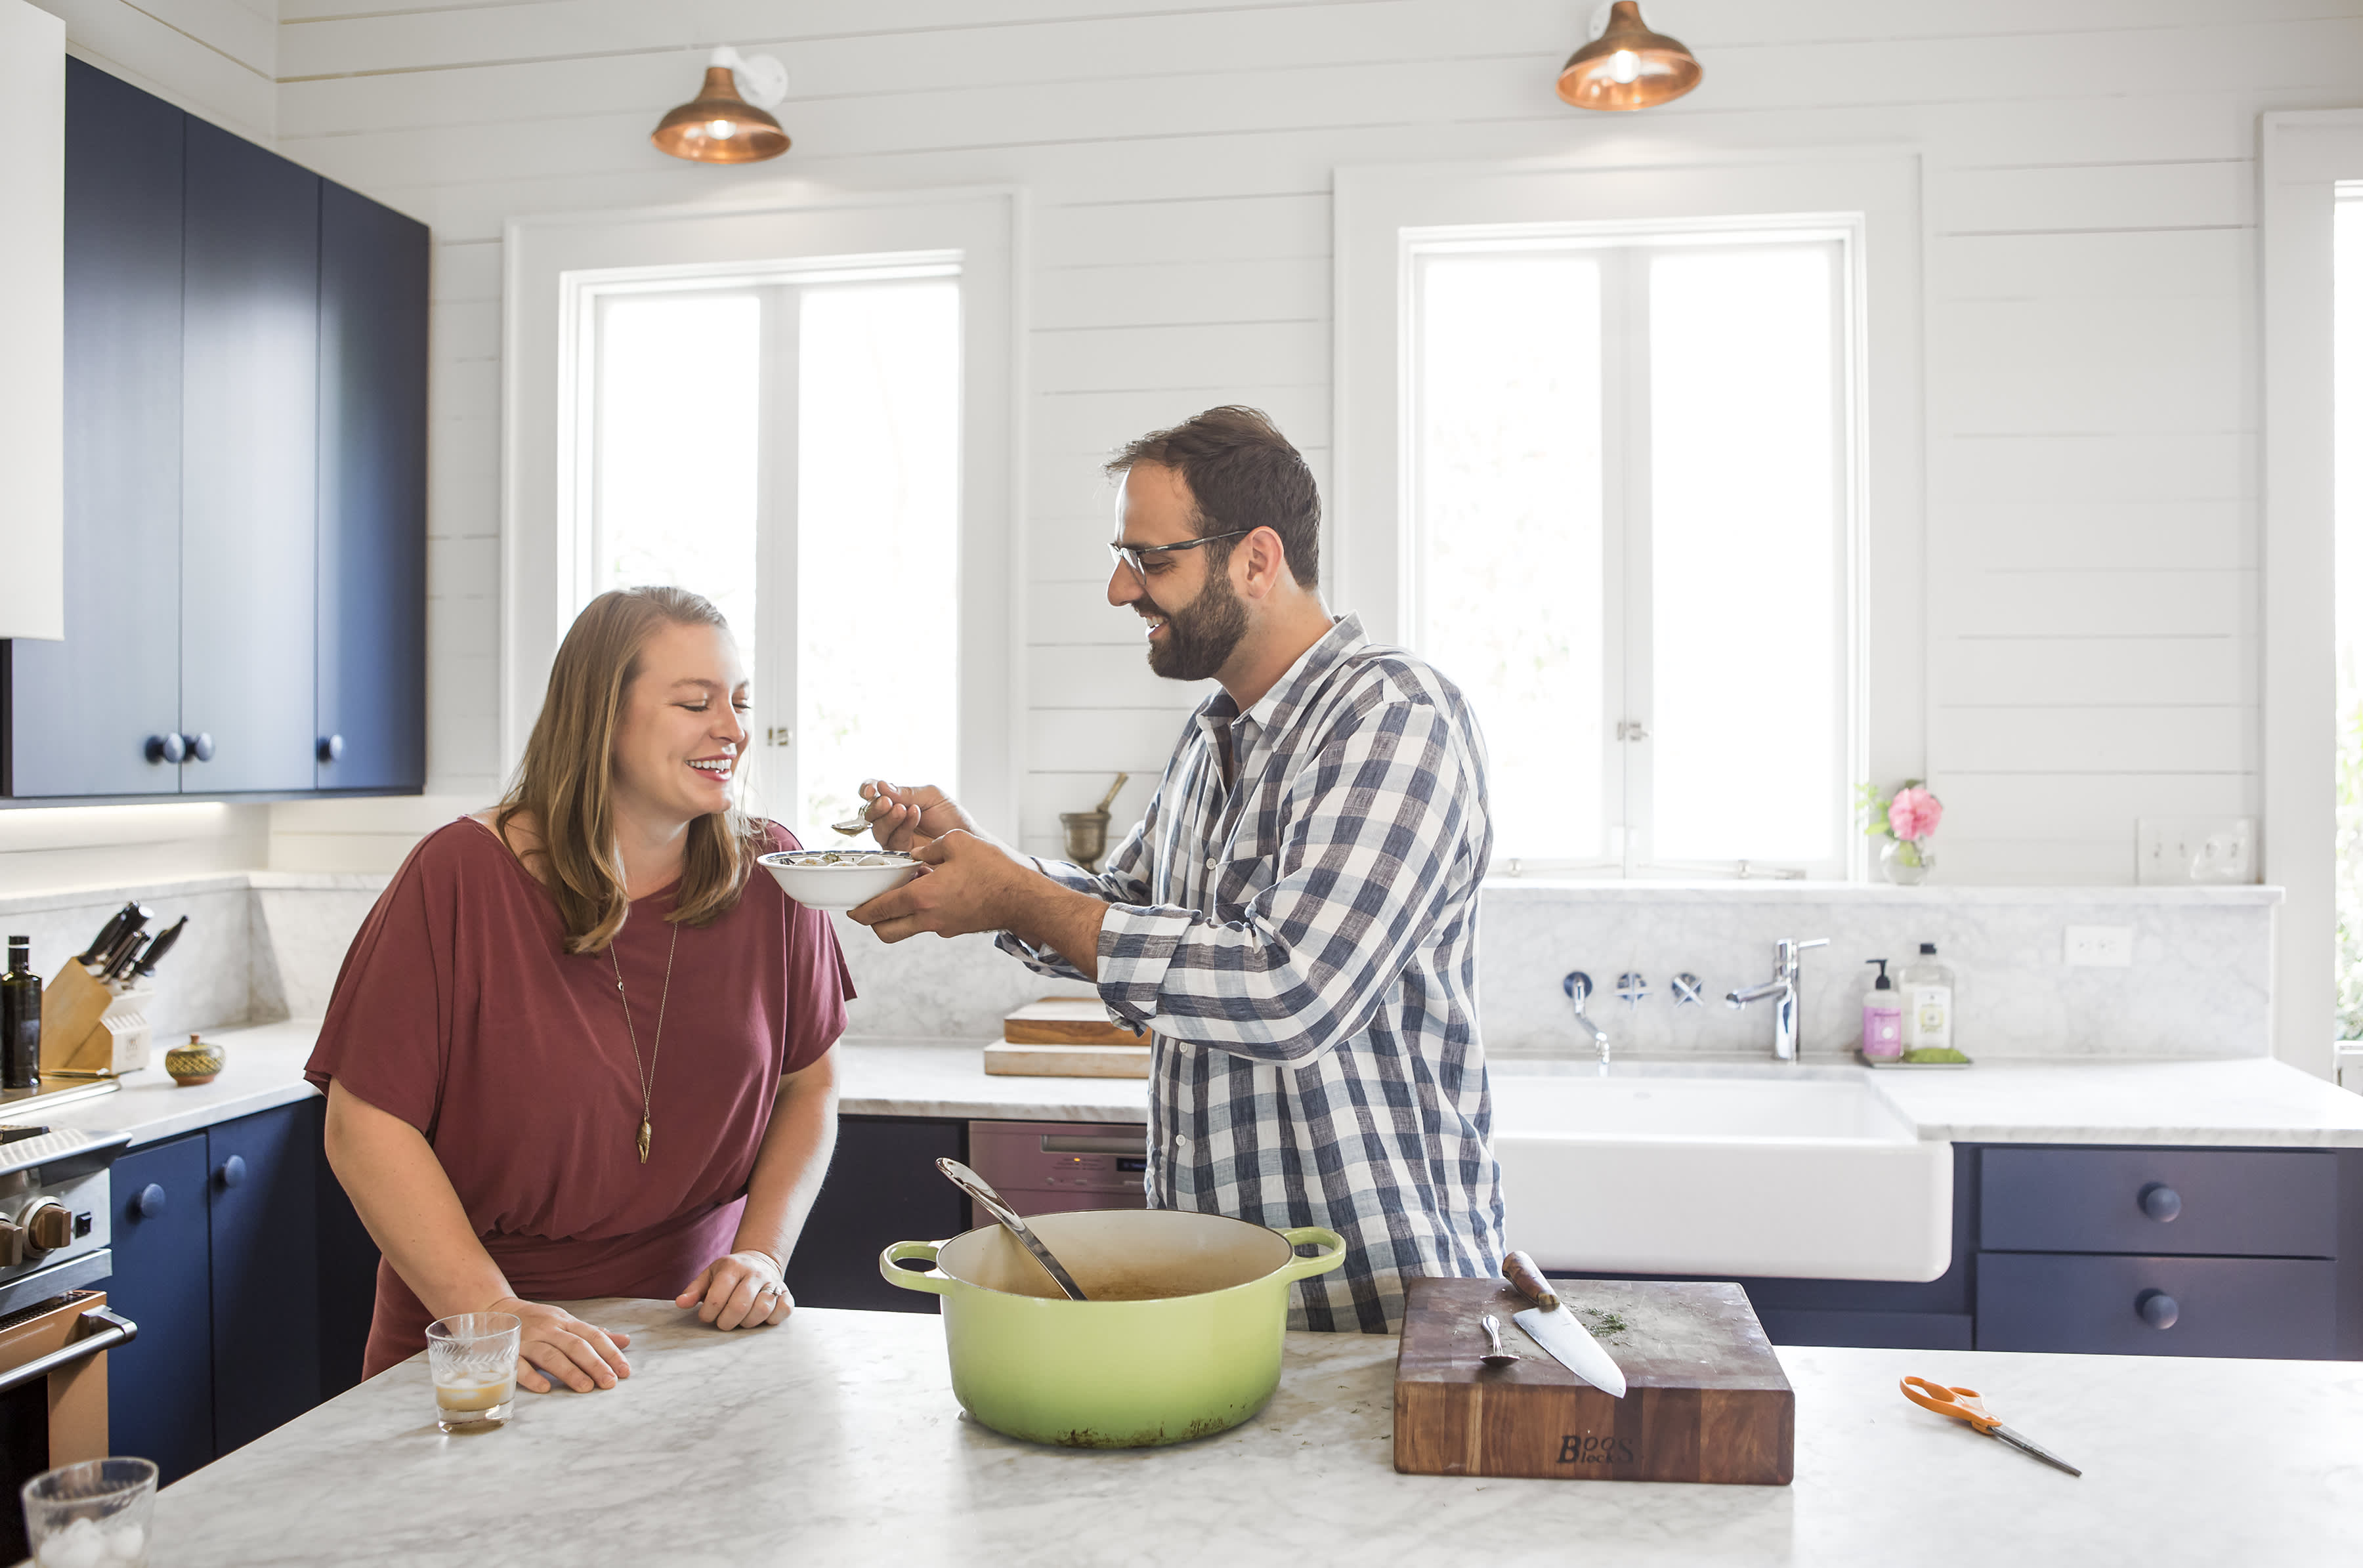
(838, 879)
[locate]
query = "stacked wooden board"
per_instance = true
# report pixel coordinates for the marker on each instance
(1066, 1037)
(1707, 1401)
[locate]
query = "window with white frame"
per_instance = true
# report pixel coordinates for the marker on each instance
(788, 444)
(1626, 458)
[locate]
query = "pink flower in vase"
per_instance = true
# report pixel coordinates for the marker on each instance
(1913, 814)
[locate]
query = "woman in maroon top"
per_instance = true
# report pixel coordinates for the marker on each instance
(581, 1047)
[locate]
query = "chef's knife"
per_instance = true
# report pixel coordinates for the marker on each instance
(146, 968)
(1551, 1325)
(106, 935)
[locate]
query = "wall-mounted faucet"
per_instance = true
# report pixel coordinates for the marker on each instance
(1578, 986)
(1781, 991)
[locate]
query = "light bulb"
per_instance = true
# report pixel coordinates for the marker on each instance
(1623, 66)
(722, 131)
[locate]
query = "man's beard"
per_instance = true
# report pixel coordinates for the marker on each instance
(1199, 640)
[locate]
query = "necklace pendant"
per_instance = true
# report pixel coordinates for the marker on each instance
(644, 1140)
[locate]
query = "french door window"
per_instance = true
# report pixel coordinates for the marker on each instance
(789, 448)
(1628, 475)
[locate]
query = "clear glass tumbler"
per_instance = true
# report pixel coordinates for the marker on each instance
(472, 1358)
(91, 1515)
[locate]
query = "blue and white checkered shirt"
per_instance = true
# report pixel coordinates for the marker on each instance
(1303, 947)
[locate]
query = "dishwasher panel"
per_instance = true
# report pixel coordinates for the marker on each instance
(1058, 1167)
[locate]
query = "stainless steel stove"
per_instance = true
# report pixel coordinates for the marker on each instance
(53, 1211)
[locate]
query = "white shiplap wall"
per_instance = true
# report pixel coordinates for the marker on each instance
(2090, 346)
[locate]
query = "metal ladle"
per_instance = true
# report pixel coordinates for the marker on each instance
(977, 1187)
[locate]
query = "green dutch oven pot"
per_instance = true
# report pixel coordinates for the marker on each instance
(1196, 1352)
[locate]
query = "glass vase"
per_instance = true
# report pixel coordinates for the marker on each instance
(1905, 863)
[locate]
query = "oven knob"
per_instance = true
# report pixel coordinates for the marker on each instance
(12, 1244)
(49, 1225)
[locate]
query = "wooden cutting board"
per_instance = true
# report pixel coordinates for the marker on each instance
(1706, 1399)
(1067, 1060)
(1066, 1020)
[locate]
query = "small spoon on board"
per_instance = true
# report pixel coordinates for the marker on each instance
(977, 1187)
(1497, 1357)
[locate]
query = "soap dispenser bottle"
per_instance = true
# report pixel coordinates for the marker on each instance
(1882, 1018)
(1928, 1003)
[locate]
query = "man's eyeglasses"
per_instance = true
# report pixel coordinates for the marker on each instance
(1130, 554)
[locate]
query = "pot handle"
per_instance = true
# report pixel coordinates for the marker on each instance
(1320, 1262)
(935, 1281)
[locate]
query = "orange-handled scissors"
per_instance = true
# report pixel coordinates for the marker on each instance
(1963, 1404)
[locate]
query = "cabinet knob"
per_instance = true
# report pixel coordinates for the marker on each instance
(332, 747)
(166, 747)
(233, 1170)
(201, 746)
(2158, 1309)
(149, 1203)
(2162, 1203)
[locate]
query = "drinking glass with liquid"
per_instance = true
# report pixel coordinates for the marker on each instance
(90, 1515)
(472, 1356)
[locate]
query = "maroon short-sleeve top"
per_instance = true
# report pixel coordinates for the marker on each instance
(460, 1010)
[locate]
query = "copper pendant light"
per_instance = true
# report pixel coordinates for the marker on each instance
(1627, 66)
(720, 127)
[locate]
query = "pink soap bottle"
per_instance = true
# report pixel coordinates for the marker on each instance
(1882, 1018)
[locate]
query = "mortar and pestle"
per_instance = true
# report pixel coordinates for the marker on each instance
(1087, 830)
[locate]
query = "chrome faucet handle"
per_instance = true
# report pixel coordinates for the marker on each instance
(1632, 990)
(1687, 990)
(1578, 986)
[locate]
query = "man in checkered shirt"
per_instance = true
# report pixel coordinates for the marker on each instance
(1294, 919)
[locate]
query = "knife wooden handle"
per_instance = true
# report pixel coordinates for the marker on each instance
(1529, 1282)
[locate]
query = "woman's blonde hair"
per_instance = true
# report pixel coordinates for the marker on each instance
(565, 786)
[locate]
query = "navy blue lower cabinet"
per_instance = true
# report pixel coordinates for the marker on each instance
(2232, 1203)
(265, 1273)
(2158, 1305)
(882, 1188)
(160, 1387)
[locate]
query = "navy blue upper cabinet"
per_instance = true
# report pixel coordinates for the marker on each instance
(81, 711)
(246, 476)
(371, 733)
(250, 422)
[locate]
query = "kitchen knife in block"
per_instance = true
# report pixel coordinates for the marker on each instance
(1705, 1397)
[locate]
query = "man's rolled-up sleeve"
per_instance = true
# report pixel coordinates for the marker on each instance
(1366, 868)
(1124, 882)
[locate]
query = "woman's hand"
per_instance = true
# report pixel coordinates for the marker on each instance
(557, 1346)
(739, 1292)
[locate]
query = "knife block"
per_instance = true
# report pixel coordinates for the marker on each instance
(89, 1027)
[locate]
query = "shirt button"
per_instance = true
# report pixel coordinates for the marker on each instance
(1180, 1142)
(1214, 864)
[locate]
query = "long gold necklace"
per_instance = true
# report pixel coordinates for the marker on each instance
(648, 1075)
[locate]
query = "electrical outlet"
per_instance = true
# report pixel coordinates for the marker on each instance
(2179, 850)
(2099, 947)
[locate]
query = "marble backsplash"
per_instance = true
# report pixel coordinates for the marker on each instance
(268, 945)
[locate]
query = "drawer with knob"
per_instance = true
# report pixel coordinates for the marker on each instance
(2156, 1306)
(2233, 1202)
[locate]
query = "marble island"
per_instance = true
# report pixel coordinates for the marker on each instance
(835, 1439)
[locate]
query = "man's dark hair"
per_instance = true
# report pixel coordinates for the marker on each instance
(1242, 474)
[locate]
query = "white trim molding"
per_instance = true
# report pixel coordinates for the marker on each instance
(2303, 158)
(554, 265)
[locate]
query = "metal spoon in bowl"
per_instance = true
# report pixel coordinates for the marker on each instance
(977, 1187)
(856, 823)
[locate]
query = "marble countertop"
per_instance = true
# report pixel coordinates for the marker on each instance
(2252, 1102)
(835, 1439)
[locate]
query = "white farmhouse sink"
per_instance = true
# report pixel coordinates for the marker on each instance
(1793, 1173)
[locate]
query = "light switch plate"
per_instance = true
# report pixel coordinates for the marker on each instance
(2182, 851)
(2099, 947)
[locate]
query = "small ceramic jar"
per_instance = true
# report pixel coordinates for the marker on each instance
(196, 1063)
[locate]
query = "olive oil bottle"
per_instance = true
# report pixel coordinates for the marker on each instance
(20, 1019)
